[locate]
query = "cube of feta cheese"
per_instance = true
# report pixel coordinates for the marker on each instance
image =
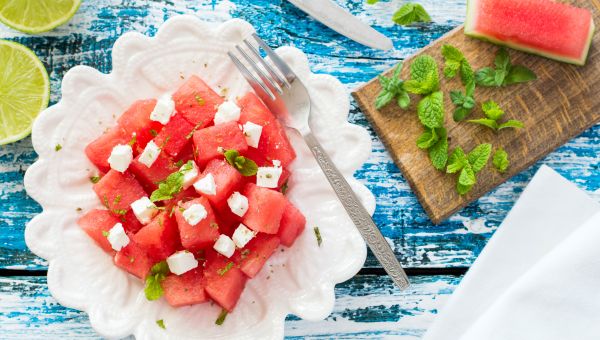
(238, 204)
(242, 235)
(164, 109)
(224, 246)
(189, 175)
(206, 185)
(227, 112)
(117, 237)
(252, 133)
(120, 157)
(150, 154)
(144, 210)
(181, 262)
(268, 177)
(194, 214)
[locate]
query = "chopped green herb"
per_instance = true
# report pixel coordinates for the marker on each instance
(200, 100)
(105, 233)
(133, 140)
(153, 133)
(245, 253)
(224, 270)
(95, 179)
(179, 163)
(117, 199)
(284, 188)
(161, 323)
(57, 147)
(411, 13)
(221, 317)
(504, 73)
(500, 160)
(153, 288)
(318, 236)
(392, 87)
(191, 134)
(120, 211)
(245, 166)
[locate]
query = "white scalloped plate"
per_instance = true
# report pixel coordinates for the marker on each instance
(299, 280)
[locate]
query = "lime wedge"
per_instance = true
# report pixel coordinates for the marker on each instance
(36, 16)
(24, 90)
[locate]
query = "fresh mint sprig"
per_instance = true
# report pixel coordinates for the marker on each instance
(464, 102)
(456, 63)
(153, 288)
(411, 13)
(493, 114)
(392, 88)
(504, 73)
(245, 166)
(468, 165)
(172, 185)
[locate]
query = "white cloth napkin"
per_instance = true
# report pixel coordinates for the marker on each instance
(539, 275)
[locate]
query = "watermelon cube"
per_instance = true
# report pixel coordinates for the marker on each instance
(265, 209)
(227, 180)
(186, 289)
(118, 190)
(160, 238)
(184, 196)
(197, 102)
(255, 254)
(130, 222)
(224, 280)
(137, 120)
(274, 143)
(134, 259)
(291, 226)
(201, 235)
(175, 136)
(99, 150)
(149, 177)
(209, 142)
(96, 223)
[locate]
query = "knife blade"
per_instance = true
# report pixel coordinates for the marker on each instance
(338, 19)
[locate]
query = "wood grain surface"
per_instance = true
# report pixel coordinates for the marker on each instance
(562, 103)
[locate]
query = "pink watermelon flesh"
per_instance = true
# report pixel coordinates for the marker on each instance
(149, 177)
(273, 143)
(130, 222)
(255, 254)
(174, 136)
(96, 223)
(208, 141)
(551, 29)
(134, 259)
(99, 150)
(186, 289)
(117, 191)
(160, 238)
(201, 235)
(292, 225)
(197, 102)
(137, 120)
(227, 179)
(223, 286)
(265, 209)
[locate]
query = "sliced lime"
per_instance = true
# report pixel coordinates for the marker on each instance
(24, 90)
(36, 16)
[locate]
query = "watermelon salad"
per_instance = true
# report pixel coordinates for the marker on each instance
(193, 187)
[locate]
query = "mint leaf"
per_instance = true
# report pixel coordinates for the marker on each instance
(431, 110)
(505, 73)
(438, 153)
(467, 75)
(479, 156)
(245, 166)
(424, 77)
(486, 77)
(467, 176)
(485, 122)
(372, 2)
(392, 87)
(411, 13)
(500, 160)
(463, 189)
(464, 102)
(519, 74)
(403, 99)
(383, 99)
(457, 161)
(454, 58)
(427, 139)
(161, 323)
(492, 110)
(171, 186)
(153, 289)
(513, 123)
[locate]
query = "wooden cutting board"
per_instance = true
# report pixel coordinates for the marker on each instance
(563, 102)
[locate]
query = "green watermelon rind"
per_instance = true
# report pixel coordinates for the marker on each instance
(471, 32)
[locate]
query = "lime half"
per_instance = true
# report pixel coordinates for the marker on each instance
(36, 16)
(24, 90)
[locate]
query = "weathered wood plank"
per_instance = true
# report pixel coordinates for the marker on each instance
(366, 306)
(88, 38)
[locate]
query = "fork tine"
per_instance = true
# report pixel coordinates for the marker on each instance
(287, 72)
(256, 84)
(268, 67)
(259, 71)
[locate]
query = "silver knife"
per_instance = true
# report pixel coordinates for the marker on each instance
(338, 19)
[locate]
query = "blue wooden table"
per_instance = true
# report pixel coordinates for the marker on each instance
(367, 305)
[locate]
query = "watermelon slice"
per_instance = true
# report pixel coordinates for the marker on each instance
(134, 259)
(547, 28)
(96, 223)
(160, 238)
(137, 120)
(209, 141)
(224, 280)
(253, 257)
(201, 235)
(265, 209)
(186, 289)
(292, 225)
(117, 191)
(197, 102)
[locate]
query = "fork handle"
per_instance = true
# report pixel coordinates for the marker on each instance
(359, 215)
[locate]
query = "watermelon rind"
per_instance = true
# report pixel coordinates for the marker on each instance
(472, 32)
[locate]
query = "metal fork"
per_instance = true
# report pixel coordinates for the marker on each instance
(283, 92)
